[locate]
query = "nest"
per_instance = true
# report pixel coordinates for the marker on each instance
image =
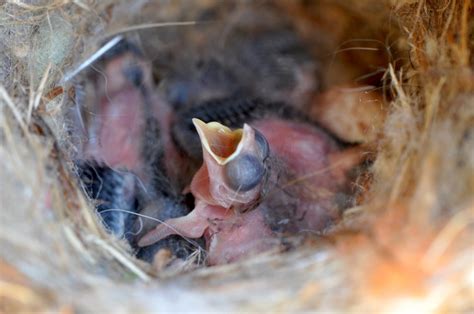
(407, 246)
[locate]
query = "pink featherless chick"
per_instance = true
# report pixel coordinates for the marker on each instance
(258, 183)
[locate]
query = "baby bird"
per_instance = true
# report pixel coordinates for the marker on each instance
(121, 165)
(272, 178)
(250, 50)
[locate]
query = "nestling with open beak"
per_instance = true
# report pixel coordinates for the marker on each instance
(257, 183)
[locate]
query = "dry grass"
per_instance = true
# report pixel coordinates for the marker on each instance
(408, 247)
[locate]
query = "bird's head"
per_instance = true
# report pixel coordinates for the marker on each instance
(234, 170)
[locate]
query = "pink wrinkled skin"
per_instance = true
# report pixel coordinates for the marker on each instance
(120, 127)
(116, 121)
(231, 236)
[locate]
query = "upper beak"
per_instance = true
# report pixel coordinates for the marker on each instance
(222, 143)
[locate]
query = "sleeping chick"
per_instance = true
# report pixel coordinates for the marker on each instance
(121, 163)
(241, 49)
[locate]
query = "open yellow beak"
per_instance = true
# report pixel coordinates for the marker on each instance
(222, 143)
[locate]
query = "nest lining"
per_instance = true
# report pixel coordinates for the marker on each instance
(408, 246)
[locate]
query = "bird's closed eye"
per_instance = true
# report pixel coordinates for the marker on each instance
(244, 173)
